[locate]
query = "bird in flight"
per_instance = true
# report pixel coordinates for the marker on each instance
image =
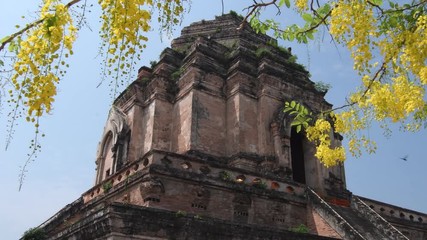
(405, 158)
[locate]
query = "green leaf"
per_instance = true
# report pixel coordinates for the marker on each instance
(12, 47)
(286, 2)
(393, 21)
(290, 36)
(327, 7)
(302, 38)
(323, 10)
(305, 111)
(293, 103)
(4, 39)
(307, 17)
(378, 2)
(294, 123)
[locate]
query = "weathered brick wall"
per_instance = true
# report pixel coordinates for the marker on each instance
(162, 125)
(208, 124)
(318, 225)
(181, 133)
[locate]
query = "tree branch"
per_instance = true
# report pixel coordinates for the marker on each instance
(322, 20)
(20, 32)
(376, 6)
(396, 10)
(378, 75)
(252, 10)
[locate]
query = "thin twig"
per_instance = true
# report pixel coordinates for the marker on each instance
(82, 17)
(34, 149)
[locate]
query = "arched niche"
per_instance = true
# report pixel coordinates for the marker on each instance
(122, 149)
(297, 155)
(113, 149)
(281, 134)
(290, 147)
(106, 159)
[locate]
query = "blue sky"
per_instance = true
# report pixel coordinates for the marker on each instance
(66, 166)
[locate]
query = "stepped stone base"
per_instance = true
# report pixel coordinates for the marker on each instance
(123, 221)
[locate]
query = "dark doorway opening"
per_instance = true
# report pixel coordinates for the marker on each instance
(297, 155)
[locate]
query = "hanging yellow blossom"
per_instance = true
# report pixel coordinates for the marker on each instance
(40, 57)
(320, 134)
(124, 25)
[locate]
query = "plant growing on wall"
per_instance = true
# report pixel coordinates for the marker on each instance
(225, 176)
(322, 86)
(300, 229)
(107, 186)
(262, 52)
(180, 213)
(175, 75)
(260, 184)
(34, 234)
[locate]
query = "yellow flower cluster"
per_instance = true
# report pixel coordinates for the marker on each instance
(395, 100)
(40, 59)
(301, 5)
(405, 48)
(415, 51)
(350, 123)
(328, 154)
(346, 121)
(124, 24)
(395, 92)
(353, 23)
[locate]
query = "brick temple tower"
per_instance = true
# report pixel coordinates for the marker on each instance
(198, 147)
